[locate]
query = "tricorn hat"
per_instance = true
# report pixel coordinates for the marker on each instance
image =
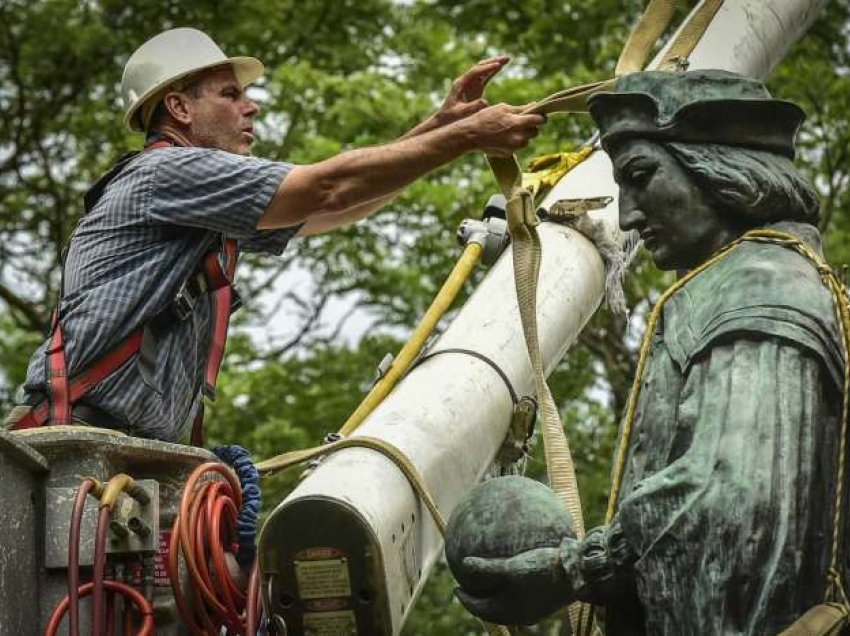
(702, 106)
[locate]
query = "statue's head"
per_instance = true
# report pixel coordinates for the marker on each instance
(700, 157)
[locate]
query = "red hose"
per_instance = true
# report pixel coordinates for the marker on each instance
(114, 587)
(203, 533)
(74, 555)
(128, 619)
(98, 569)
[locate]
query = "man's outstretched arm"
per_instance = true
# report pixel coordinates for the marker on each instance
(465, 98)
(353, 184)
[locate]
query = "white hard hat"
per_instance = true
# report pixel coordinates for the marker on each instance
(169, 57)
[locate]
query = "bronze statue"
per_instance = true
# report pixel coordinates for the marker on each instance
(725, 515)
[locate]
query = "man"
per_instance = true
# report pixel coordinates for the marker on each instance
(146, 291)
(725, 508)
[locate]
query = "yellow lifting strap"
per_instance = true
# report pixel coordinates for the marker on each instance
(546, 170)
(520, 192)
(413, 347)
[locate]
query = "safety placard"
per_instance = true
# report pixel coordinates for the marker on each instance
(330, 623)
(322, 578)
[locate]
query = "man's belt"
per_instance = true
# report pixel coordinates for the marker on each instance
(82, 413)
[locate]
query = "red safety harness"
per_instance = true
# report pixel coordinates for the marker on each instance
(63, 392)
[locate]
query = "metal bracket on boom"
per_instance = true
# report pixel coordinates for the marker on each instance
(491, 232)
(568, 210)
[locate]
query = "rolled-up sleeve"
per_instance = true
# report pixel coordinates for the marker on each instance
(219, 191)
(270, 241)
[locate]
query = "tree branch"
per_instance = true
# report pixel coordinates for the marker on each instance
(34, 320)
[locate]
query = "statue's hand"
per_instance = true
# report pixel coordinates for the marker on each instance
(507, 544)
(526, 587)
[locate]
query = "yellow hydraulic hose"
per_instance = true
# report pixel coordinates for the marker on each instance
(401, 364)
(109, 493)
(97, 487)
(114, 487)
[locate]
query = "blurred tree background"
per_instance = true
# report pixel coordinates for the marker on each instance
(342, 74)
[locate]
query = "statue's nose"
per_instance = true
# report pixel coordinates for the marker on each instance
(631, 216)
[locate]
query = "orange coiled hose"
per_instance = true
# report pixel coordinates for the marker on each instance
(203, 532)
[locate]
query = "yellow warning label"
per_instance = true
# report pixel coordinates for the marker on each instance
(322, 579)
(330, 623)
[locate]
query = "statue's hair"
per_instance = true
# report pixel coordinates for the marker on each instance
(753, 185)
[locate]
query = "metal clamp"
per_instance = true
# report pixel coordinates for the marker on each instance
(491, 234)
(383, 367)
(568, 210)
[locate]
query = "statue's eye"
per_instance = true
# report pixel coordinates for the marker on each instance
(640, 176)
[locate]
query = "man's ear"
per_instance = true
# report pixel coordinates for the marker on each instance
(177, 105)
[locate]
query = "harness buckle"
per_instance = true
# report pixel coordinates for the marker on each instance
(183, 305)
(187, 297)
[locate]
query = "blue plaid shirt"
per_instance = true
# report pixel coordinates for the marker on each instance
(126, 261)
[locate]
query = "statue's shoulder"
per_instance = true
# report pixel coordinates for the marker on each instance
(757, 290)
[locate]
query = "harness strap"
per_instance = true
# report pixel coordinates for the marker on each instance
(196, 438)
(220, 280)
(82, 382)
(59, 399)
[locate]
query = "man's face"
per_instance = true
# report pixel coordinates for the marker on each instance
(222, 116)
(677, 222)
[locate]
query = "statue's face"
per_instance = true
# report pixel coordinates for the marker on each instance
(679, 225)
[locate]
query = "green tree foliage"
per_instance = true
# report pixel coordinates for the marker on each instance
(341, 74)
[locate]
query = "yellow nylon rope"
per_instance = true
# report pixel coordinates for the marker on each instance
(835, 585)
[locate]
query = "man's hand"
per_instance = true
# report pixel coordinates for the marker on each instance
(466, 96)
(467, 92)
(525, 588)
(500, 130)
(348, 187)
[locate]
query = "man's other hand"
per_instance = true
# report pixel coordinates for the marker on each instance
(466, 95)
